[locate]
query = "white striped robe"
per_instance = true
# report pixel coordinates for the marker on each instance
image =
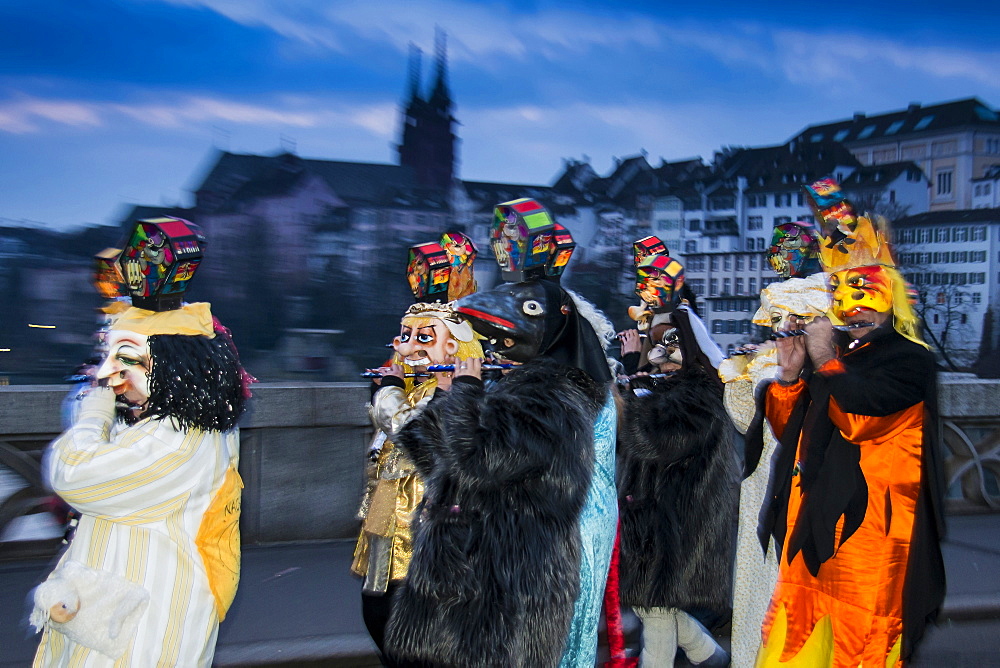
(142, 491)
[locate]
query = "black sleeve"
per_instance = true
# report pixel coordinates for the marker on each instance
(631, 363)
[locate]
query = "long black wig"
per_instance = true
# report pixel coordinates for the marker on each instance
(197, 381)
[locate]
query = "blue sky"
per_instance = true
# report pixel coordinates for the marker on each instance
(108, 102)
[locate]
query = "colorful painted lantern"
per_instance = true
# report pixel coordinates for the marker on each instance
(521, 239)
(107, 275)
(833, 212)
(647, 246)
(560, 252)
(159, 259)
(461, 256)
(658, 282)
(427, 270)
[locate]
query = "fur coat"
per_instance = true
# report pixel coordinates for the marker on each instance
(678, 492)
(495, 567)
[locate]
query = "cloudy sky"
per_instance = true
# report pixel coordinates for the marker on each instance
(107, 102)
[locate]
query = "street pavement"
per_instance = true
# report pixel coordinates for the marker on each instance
(298, 605)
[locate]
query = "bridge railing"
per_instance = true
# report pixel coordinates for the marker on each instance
(302, 459)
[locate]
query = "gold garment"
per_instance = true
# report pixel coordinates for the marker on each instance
(393, 491)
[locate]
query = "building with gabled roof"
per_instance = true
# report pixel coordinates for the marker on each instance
(952, 142)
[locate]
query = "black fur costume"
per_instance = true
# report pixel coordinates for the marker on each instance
(678, 490)
(496, 556)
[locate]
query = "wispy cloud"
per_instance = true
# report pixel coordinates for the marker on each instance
(811, 58)
(490, 35)
(27, 114)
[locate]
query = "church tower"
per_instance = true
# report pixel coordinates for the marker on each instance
(428, 137)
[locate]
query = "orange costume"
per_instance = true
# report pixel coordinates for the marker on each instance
(866, 603)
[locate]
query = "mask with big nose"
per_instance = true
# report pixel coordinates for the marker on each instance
(127, 366)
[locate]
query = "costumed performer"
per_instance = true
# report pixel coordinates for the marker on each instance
(856, 489)
(677, 479)
(802, 295)
(513, 541)
(431, 333)
(151, 464)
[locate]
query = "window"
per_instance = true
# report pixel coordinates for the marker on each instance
(894, 127)
(713, 287)
(935, 318)
(960, 235)
(941, 258)
(977, 298)
(941, 235)
(752, 285)
(732, 327)
(694, 225)
(944, 183)
(963, 318)
(696, 264)
(739, 263)
(978, 190)
(778, 220)
(866, 132)
(690, 246)
(739, 286)
(752, 262)
(698, 285)
(730, 349)
(760, 244)
(727, 286)
(713, 243)
(841, 134)
(755, 222)
(978, 233)
(906, 237)
(727, 263)
(714, 263)
(977, 278)
(744, 326)
(924, 236)
(977, 256)
(960, 256)
(749, 244)
(941, 299)
(924, 122)
(716, 327)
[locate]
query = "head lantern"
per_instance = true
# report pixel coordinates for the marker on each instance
(461, 254)
(794, 250)
(160, 257)
(658, 282)
(427, 270)
(647, 246)
(527, 243)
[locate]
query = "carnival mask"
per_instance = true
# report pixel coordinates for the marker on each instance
(127, 366)
(658, 281)
(519, 319)
(424, 341)
(794, 250)
(861, 289)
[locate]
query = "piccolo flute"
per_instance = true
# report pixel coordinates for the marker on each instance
(436, 368)
(621, 380)
(839, 328)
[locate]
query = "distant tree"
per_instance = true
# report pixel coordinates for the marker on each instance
(875, 202)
